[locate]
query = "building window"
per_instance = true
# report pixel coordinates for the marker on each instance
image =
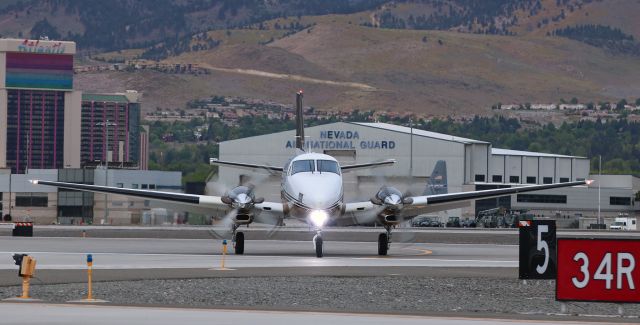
(144, 186)
(152, 186)
(135, 186)
(542, 198)
(479, 178)
(564, 179)
(547, 180)
(579, 179)
(531, 179)
(617, 200)
(496, 178)
(30, 200)
(514, 179)
(120, 185)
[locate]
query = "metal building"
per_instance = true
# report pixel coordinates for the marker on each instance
(46, 204)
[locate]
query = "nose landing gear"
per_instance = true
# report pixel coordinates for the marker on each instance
(317, 244)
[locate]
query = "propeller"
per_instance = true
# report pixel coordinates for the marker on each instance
(389, 201)
(241, 199)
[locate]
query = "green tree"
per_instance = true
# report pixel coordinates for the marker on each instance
(620, 105)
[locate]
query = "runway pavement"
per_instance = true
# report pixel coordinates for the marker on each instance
(70, 253)
(13, 313)
(62, 260)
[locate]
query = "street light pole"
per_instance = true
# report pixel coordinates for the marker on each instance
(106, 125)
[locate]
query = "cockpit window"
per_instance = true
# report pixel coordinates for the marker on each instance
(328, 166)
(300, 166)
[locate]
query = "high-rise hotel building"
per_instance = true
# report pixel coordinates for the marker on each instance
(46, 124)
(39, 110)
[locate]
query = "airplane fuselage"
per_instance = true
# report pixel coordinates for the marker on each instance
(312, 188)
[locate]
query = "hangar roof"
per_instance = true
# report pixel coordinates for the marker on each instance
(418, 132)
(509, 152)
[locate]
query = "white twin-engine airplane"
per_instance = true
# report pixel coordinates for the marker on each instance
(312, 191)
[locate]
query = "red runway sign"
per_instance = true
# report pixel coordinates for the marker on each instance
(598, 270)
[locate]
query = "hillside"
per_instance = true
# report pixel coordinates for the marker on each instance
(450, 73)
(121, 24)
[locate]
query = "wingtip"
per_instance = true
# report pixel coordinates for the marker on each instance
(589, 181)
(33, 181)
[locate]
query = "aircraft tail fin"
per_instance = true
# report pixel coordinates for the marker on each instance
(437, 183)
(299, 122)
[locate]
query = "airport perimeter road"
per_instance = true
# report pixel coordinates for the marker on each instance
(355, 234)
(78, 314)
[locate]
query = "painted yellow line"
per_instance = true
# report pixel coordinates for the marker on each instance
(424, 251)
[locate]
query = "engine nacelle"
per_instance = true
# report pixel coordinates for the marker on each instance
(241, 198)
(390, 219)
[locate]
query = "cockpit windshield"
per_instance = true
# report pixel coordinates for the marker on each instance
(300, 166)
(329, 166)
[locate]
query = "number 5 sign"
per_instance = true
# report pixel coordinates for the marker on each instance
(537, 249)
(598, 270)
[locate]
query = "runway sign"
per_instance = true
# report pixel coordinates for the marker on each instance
(537, 249)
(598, 270)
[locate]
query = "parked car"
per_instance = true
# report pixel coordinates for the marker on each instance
(453, 222)
(426, 221)
(468, 223)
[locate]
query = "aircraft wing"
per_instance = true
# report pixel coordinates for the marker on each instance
(383, 163)
(206, 204)
(270, 169)
(438, 202)
(365, 212)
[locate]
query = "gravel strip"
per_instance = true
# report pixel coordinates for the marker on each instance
(390, 294)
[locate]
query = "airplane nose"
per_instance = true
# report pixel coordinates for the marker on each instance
(320, 199)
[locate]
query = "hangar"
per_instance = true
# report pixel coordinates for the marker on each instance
(471, 165)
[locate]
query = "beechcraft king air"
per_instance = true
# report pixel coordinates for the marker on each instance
(312, 191)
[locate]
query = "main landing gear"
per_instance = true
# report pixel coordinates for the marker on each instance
(384, 241)
(317, 244)
(238, 239)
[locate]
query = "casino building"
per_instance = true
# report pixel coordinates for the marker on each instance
(471, 165)
(39, 110)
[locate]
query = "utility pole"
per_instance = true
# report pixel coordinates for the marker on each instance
(600, 220)
(411, 149)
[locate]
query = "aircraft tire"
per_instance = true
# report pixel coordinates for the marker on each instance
(318, 245)
(383, 244)
(239, 248)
